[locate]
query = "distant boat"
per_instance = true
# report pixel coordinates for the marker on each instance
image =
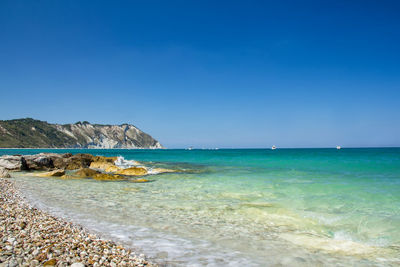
(338, 147)
(190, 148)
(273, 147)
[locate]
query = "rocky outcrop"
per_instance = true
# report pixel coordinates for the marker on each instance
(13, 163)
(46, 161)
(85, 166)
(24, 133)
(112, 168)
(39, 162)
(78, 161)
(50, 161)
(4, 173)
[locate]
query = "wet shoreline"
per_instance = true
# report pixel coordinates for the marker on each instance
(31, 237)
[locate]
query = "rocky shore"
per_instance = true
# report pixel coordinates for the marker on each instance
(31, 237)
(77, 166)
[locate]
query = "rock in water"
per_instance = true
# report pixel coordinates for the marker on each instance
(86, 172)
(112, 168)
(4, 173)
(104, 159)
(101, 165)
(133, 171)
(108, 177)
(55, 173)
(79, 161)
(13, 163)
(47, 161)
(140, 180)
(39, 162)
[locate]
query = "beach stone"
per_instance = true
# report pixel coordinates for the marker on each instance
(12, 263)
(13, 163)
(41, 257)
(133, 171)
(51, 262)
(50, 241)
(78, 264)
(4, 173)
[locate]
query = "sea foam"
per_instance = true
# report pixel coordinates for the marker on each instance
(124, 164)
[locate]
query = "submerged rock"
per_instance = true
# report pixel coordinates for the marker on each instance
(108, 177)
(140, 180)
(4, 173)
(90, 173)
(55, 173)
(133, 171)
(86, 172)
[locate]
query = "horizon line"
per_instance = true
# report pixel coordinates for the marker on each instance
(196, 148)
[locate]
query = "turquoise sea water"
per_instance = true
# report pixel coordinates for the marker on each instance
(252, 207)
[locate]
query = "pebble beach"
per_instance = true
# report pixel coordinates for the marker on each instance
(31, 237)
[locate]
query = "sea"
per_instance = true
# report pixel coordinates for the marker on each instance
(239, 207)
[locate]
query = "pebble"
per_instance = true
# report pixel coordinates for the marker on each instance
(31, 237)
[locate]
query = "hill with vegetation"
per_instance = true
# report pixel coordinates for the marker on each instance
(31, 133)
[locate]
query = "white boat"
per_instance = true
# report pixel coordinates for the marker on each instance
(338, 147)
(273, 147)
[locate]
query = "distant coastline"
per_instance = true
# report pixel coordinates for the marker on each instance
(31, 133)
(80, 148)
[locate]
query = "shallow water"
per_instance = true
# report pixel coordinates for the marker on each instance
(242, 207)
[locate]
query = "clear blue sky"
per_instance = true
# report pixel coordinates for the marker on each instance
(208, 73)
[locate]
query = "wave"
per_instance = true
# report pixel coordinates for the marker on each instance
(124, 164)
